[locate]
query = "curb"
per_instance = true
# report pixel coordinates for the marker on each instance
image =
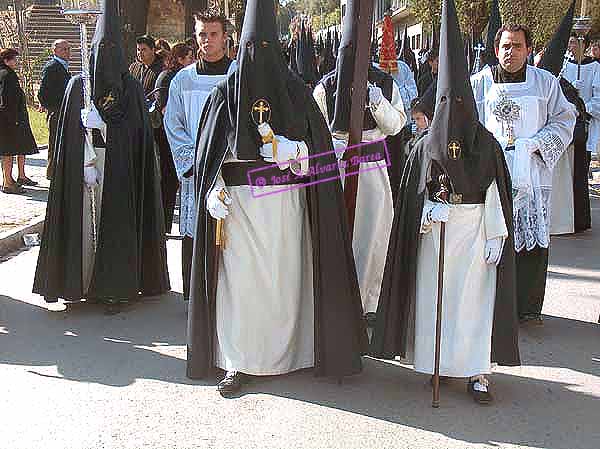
(13, 240)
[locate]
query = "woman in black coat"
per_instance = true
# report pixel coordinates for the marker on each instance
(16, 138)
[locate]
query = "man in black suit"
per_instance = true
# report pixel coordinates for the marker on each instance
(55, 76)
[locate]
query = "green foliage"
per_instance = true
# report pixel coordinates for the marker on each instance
(38, 126)
(541, 16)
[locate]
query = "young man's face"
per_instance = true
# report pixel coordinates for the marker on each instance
(145, 54)
(211, 40)
(187, 59)
(420, 120)
(573, 45)
(12, 63)
(512, 51)
(595, 51)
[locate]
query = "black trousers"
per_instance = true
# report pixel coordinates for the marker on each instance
(581, 193)
(168, 176)
(187, 250)
(532, 269)
(52, 120)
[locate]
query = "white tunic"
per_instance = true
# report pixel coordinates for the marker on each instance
(188, 92)
(264, 305)
(469, 290)
(590, 94)
(563, 202)
(374, 205)
(548, 119)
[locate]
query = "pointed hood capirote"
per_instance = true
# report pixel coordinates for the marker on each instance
(406, 54)
(494, 24)
(554, 54)
(345, 70)
(261, 74)
(107, 61)
(453, 135)
(305, 57)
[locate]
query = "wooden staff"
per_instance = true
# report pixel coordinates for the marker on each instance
(362, 61)
(435, 403)
(219, 246)
(442, 196)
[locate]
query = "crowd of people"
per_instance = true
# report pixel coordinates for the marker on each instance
(457, 161)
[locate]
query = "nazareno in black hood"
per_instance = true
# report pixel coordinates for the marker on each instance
(261, 74)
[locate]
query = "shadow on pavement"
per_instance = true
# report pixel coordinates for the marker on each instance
(147, 341)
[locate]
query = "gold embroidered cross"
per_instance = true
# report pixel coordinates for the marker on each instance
(454, 150)
(107, 100)
(261, 107)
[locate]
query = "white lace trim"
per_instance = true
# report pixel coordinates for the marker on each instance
(532, 220)
(183, 158)
(551, 147)
(187, 209)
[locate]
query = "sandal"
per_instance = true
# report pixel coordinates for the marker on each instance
(26, 182)
(13, 189)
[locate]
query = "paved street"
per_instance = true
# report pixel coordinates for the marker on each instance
(79, 379)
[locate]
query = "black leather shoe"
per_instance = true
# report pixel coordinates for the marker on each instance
(231, 383)
(481, 397)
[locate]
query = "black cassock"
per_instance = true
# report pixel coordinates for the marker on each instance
(398, 290)
(340, 336)
(131, 250)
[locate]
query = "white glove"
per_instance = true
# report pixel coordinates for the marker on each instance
(426, 217)
(493, 250)
(91, 118)
(90, 175)
(579, 85)
(216, 207)
(339, 146)
(528, 145)
(287, 151)
(375, 95)
(440, 213)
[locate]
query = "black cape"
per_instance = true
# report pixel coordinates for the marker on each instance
(340, 336)
(398, 286)
(131, 250)
(581, 160)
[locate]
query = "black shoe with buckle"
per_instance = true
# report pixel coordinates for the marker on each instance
(477, 393)
(231, 383)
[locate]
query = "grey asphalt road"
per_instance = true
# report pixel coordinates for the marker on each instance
(79, 379)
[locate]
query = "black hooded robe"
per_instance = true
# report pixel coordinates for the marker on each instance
(397, 300)
(131, 251)
(339, 334)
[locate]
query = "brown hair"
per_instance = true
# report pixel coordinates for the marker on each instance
(207, 17)
(6, 54)
(512, 28)
(179, 50)
(162, 43)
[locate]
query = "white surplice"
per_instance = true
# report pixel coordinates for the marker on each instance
(188, 92)
(590, 94)
(374, 205)
(469, 290)
(546, 117)
(265, 305)
(563, 202)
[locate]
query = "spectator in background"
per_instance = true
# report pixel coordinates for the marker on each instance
(191, 42)
(162, 44)
(55, 76)
(16, 138)
(148, 65)
(180, 56)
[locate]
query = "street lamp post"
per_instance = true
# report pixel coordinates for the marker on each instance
(581, 26)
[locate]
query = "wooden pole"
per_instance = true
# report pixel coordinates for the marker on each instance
(364, 18)
(435, 403)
